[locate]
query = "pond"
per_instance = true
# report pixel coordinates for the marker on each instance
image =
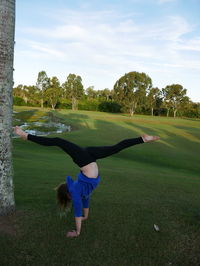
(40, 123)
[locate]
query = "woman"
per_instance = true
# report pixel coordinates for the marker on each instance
(79, 191)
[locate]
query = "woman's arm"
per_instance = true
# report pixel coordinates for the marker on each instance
(79, 204)
(78, 222)
(75, 233)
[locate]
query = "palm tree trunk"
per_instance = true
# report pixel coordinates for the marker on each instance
(7, 26)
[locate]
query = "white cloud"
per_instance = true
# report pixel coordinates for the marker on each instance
(190, 45)
(108, 43)
(61, 32)
(171, 28)
(46, 50)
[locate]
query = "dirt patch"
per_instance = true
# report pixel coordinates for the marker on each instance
(8, 224)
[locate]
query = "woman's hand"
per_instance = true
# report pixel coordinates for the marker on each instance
(72, 233)
(75, 233)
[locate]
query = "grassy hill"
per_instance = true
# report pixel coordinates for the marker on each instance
(153, 183)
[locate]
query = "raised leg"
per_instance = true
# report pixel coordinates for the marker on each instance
(79, 155)
(105, 151)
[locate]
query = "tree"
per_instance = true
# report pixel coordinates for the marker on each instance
(91, 93)
(130, 90)
(165, 100)
(20, 91)
(73, 89)
(42, 84)
(185, 106)
(152, 98)
(29, 94)
(193, 110)
(174, 95)
(53, 93)
(7, 27)
(32, 95)
(105, 94)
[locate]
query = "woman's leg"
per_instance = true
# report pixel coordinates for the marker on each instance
(79, 155)
(67, 146)
(105, 151)
(85, 156)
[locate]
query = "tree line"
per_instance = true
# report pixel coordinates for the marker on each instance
(132, 93)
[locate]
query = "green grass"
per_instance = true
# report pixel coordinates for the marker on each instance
(155, 183)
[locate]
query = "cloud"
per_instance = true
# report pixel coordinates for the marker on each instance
(44, 49)
(190, 45)
(62, 32)
(111, 43)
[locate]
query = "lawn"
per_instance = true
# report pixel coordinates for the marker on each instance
(154, 183)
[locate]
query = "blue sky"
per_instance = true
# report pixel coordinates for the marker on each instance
(103, 40)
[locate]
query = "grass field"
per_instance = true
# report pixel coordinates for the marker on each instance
(154, 183)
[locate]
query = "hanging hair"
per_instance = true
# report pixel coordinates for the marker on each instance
(63, 196)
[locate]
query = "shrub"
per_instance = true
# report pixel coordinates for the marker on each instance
(89, 105)
(109, 106)
(18, 101)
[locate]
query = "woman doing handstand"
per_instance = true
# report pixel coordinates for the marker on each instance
(79, 191)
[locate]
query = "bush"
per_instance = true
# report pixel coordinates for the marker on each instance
(89, 105)
(111, 107)
(18, 101)
(64, 104)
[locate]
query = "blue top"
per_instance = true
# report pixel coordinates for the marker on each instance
(80, 191)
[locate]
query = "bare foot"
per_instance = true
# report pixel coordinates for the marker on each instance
(147, 138)
(21, 133)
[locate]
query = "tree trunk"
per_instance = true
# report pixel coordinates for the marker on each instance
(74, 104)
(42, 103)
(131, 111)
(167, 112)
(7, 26)
(132, 108)
(25, 99)
(53, 105)
(175, 111)
(152, 111)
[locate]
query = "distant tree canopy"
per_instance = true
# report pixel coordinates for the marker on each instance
(130, 90)
(174, 97)
(132, 93)
(54, 92)
(153, 97)
(73, 89)
(42, 85)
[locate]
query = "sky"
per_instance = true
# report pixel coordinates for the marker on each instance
(102, 40)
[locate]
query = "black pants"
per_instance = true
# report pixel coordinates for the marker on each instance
(83, 156)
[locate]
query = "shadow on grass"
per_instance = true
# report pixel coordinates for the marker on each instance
(178, 151)
(191, 119)
(191, 133)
